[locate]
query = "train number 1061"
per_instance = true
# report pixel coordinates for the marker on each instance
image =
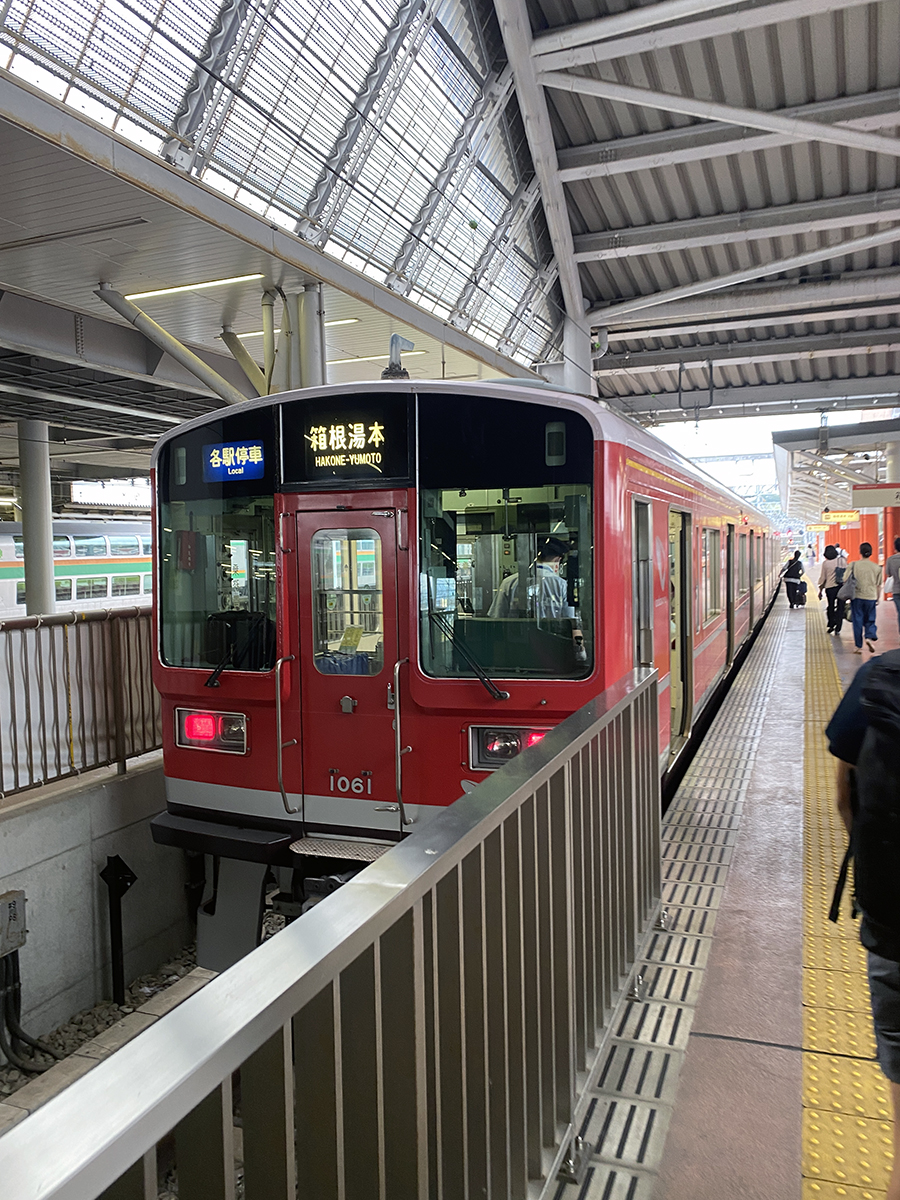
(360, 786)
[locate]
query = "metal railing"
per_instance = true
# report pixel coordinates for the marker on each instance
(427, 1032)
(75, 693)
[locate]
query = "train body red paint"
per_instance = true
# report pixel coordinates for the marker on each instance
(371, 595)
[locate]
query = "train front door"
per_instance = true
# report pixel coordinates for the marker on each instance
(348, 648)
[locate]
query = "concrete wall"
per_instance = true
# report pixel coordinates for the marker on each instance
(53, 843)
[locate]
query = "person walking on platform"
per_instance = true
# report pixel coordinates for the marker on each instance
(791, 576)
(863, 736)
(864, 599)
(892, 573)
(831, 585)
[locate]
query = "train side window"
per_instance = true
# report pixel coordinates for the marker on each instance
(347, 597)
(126, 585)
(146, 546)
(63, 590)
(62, 547)
(90, 547)
(711, 553)
(743, 565)
(19, 549)
(122, 544)
(94, 587)
(148, 584)
(20, 591)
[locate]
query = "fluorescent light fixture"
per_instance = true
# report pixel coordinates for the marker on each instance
(328, 324)
(192, 287)
(332, 362)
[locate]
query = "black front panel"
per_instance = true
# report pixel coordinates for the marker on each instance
(231, 457)
(360, 441)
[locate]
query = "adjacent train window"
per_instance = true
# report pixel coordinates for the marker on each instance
(216, 563)
(122, 544)
(711, 567)
(90, 547)
(20, 591)
(148, 584)
(62, 547)
(348, 610)
(63, 590)
(126, 585)
(146, 546)
(95, 587)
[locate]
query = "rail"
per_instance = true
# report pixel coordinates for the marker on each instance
(75, 693)
(426, 1032)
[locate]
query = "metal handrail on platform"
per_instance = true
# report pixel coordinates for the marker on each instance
(427, 1031)
(75, 693)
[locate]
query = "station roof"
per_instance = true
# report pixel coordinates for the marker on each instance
(817, 468)
(714, 184)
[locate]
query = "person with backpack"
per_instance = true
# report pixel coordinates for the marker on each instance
(866, 585)
(863, 735)
(791, 575)
(830, 578)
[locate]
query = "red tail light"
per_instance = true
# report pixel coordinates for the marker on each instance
(200, 727)
(536, 735)
(211, 731)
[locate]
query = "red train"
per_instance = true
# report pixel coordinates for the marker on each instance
(369, 596)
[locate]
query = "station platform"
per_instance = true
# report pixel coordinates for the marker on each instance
(748, 1067)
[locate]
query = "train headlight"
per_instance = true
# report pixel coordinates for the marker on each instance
(198, 729)
(491, 746)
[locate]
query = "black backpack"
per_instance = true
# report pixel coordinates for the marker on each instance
(875, 842)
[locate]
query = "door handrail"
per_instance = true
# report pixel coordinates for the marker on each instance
(399, 748)
(279, 744)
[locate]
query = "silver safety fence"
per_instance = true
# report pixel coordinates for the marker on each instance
(426, 1032)
(75, 692)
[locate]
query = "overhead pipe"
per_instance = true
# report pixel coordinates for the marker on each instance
(268, 324)
(170, 345)
(244, 360)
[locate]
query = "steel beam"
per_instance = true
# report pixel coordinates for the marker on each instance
(213, 58)
(614, 312)
(786, 220)
(540, 282)
(811, 317)
(478, 125)
(408, 15)
(645, 17)
(699, 143)
(516, 30)
(608, 46)
(736, 354)
(30, 393)
(767, 300)
(794, 128)
(744, 401)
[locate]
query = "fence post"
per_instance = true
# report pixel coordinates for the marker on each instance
(118, 693)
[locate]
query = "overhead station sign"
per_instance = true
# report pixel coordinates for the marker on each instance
(818, 527)
(876, 495)
(841, 517)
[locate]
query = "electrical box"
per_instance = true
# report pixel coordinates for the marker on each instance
(12, 922)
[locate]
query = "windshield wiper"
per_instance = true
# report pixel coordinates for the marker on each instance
(233, 656)
(213, 680)
(447, 629)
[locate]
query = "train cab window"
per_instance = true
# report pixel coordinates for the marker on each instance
(348, 613)
(63, 590)
(126, 585)
(506, 560)
(95, 587)
(711, 551)
(216, 563)
(122, 544)
(90, 547)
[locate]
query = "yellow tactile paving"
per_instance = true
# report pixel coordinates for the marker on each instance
(845, 1085)
(844, 1149)
(847, 1138)
(820, 1189)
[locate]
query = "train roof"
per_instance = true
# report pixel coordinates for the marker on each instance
(608, 426)
(85, 528)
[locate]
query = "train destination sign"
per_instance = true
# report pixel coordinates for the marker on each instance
(233, 460)
(330, 443)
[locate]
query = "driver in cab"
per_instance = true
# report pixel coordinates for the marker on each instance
(550, 600)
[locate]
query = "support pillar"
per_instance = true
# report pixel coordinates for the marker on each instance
(310, 325)
(891, 515)
(37, 517)
(578, 358)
